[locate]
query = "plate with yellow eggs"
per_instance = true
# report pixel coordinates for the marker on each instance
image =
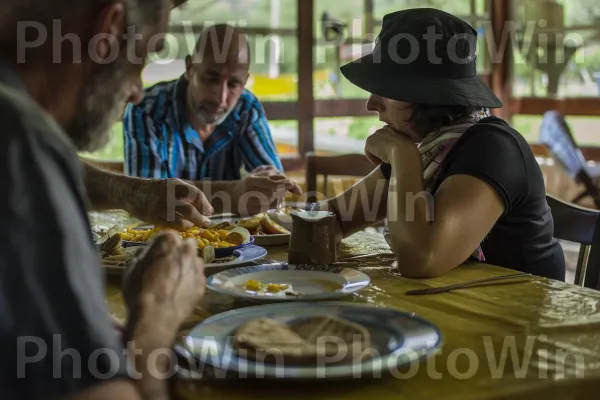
(223, 238)
(287, 282)
(116, 256)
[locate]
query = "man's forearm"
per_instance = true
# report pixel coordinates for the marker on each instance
(220, 195)
(108, 190)
(149, 352)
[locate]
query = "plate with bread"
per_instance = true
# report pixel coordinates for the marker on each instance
(312, 340)
(268, 229)
(287, 282)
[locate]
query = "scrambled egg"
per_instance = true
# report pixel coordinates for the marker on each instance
(256, 286)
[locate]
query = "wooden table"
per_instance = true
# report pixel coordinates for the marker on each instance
(550, 333)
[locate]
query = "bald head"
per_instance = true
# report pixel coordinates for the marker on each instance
(224, 44)
(217, 73)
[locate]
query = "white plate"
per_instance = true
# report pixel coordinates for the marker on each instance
(399, 338)
(315, 282)
(219, 252)
(245, 255)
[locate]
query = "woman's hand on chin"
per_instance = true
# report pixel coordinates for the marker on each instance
(380, 146)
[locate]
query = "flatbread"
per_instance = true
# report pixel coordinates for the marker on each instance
(341, 340)
(271, 342)
(321, 340)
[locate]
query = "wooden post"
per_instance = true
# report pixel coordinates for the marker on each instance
(369, 20)
(305, 76)
(500, 16)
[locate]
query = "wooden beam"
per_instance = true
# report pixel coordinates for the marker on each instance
(292, 163)
(487, 79)
(328, 108)
(567, 106)
(305, 10)
(471, 19)
(484, 52)
(369, 12)
(342, 108)
(589, 153)
(501, 64)
(195, 29)
(539, 150)
(277, 111)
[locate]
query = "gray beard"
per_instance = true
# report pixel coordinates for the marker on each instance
(100, 106)
(203, 120)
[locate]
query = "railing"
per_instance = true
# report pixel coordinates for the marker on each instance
(307, 108)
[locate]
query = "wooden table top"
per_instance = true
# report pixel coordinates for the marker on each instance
(525, 338)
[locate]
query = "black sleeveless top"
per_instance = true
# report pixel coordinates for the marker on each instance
(522, 239)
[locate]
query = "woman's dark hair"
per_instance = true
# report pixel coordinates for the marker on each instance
(426, 117)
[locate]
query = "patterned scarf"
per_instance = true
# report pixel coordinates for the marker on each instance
(434, 149)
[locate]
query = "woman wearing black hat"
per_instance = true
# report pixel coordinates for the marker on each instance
(453, 182)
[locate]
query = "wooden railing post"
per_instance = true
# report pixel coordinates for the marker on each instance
(501, 57)
(305, 76)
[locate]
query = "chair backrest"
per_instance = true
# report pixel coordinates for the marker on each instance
(580, 225)
(357, 165)
(556, 135)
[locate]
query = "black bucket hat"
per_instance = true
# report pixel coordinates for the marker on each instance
(423, 56)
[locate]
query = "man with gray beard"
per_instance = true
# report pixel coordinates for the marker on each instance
(56, 98)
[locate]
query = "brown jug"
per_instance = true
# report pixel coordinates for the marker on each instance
(312, 240)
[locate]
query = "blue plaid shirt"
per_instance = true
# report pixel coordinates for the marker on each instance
(160, 143)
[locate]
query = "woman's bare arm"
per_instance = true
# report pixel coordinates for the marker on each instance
(361, 206)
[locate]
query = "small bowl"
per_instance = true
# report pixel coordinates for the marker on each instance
(228, 251)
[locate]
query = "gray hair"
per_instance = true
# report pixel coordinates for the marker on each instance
(141, 11)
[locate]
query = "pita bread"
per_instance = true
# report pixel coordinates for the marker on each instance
(311, 341)
(272, 342)
(341, 340)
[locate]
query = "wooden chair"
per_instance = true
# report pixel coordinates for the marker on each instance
(350, 165)
(580, 225)
(556, 135)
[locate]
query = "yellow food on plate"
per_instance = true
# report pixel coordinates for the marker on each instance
(237, 235)
(271, 227)
(217, 238)
(256, 286)
(252, 223)
(262, 224)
